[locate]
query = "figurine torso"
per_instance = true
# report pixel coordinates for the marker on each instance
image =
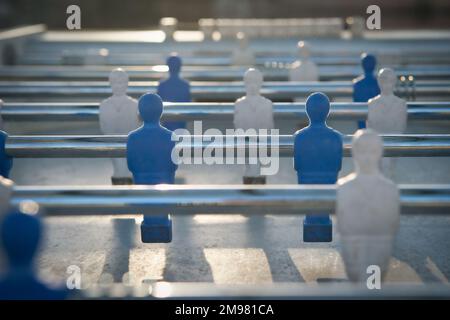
(253, 112)
(119, 115)
(317, 155)
(304, 70)
(149, 154)
(387, 114)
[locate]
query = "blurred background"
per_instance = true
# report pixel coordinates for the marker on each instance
(138, 14)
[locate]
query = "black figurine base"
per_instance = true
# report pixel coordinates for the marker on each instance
(121, 181)
(254, 180)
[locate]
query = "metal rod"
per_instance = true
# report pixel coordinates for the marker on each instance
(136, 59)
(127, 47)
(52, 49)
(22, 32)
(74, 111)
(152, 41)
(209, 199)
(273, 291)
(205, 73)
(104, 146)
(209, 90)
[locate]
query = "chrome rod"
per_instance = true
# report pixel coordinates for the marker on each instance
(209, 199)
(211, 90)
(205, 73)
(130, 42)
(51, 111)
(273, 291)
(267, 60)
(104, 146)
(22, 32)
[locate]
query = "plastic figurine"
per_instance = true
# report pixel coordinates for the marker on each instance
(253, 111)
(388, 113)
(242, 55)
(149, 150)
(304, 69)
(366, 86)
(6, 162)
(119, 115)
(368, 210)
(317, 160)
(174, 89)
(21, 232)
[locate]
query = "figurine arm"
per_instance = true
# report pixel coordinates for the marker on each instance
(272, 122)
(340, 153)
(173, 165)
(236, 116)
(159, 89)
(354, 93)
(130, 152)
(189, 92)
(101, 119)
(296, 158)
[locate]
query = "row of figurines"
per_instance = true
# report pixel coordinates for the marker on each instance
(367, 209)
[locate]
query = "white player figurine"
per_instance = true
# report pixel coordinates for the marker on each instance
(387, 113)
(368, 210)
(304, 69)
(168, 25)
(118, 116)
(253, 112)
(243, 55)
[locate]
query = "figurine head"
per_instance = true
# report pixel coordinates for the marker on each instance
(253, 80)
(368, 62)
(118, 79)
(242, 39)
(317, 108)
(387, 81)
(21, 232)
(304, 49)
(150, 108)
(367, 150)
(174, 63)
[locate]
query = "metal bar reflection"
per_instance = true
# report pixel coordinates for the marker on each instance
(51, 111)
(209, 199)
(422, 145)
(212, 90)
(277, 72)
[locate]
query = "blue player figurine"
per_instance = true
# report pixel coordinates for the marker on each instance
(174, 89)
(317, 160)
(6, 161)
(366, 87)
(149, 150)
(21, 233)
